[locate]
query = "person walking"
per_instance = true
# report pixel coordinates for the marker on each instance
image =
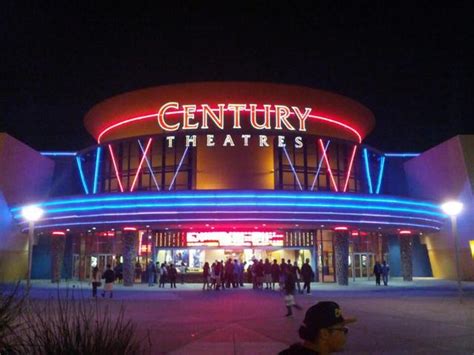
(290, 293)
(109, 277)
(385, 271)
(297, 275)
(307, 274)
(377, 272)
(205, 276)
(95, 280)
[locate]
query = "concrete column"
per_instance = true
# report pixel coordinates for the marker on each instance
(58, 244)
(406, 256)
(82, 257)
(315, 256)
(341, 249)
(129, 238)
(68, 255)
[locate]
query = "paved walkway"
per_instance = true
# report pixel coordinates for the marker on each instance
(421, 317)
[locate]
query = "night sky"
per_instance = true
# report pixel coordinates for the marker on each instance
(411, 66)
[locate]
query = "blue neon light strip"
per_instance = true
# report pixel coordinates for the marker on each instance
(230, 195)
(367, 171)
(96, 171)
(401, 155)
(236, 212)
(81, 174)
(320, 164)
(236, 203)
(290, 220)
(293, 168)
(59, 154)
(379, 180)
(149, 165)
(179, 167)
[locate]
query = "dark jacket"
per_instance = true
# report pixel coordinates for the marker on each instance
(109, 276)
(290, 284)
(297, 349)
(306, 272)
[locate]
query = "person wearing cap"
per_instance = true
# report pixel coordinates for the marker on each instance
(323, 330)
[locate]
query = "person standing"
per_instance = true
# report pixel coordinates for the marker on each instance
(307, 274)
(119, 272)
(267, 270)
(138, 272)
(151, 271)
(109, 277)
(385, 272)
(205, 276)
(241, 273)
(163, 275)
(172, 273)
(182, 271)
(281, 280)
(235, 279)
(275, 273)
(377, 272)
(323, 330)
(95, 280)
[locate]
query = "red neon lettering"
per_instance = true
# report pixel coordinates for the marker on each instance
(161, 117)
(281, 115)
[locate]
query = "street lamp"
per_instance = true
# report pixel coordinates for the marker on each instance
(31, 214)
(452, 209)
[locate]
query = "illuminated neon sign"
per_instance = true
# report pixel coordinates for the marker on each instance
(234, 239)
(204, 117)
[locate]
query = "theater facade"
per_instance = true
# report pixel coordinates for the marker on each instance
(198, 172)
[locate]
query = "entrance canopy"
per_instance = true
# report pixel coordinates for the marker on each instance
(206, 209)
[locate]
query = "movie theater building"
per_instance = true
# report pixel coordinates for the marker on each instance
(198, 172)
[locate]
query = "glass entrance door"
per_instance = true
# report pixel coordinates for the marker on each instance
(361, 265)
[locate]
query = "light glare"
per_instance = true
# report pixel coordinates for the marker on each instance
(452, 208)
(32, 213)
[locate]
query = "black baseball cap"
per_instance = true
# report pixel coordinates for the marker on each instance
(325, 315)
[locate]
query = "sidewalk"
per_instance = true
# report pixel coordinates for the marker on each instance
(422, 317)
(395, 284)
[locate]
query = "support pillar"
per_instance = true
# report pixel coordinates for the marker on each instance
(341, 249)
(58, 245)
(129, 238)
(406, 256)
(315, 257)
(82, 257)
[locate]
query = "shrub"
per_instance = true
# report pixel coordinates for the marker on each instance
(68, 326)
(11, 305)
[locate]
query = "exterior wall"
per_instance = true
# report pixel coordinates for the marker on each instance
(236, 167)
(441, 173)
(26, 174)
(66, 180)
(13, 246)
